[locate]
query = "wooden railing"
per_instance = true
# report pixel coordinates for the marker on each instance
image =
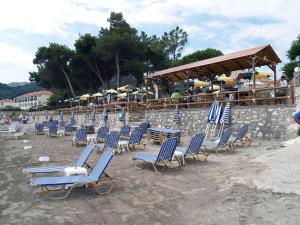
(263, 96)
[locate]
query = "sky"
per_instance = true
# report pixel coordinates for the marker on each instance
(228, 25)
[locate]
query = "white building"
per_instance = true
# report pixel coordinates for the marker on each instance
(6, 102)
(37, 98)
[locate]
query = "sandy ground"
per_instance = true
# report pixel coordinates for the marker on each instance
(255, 185)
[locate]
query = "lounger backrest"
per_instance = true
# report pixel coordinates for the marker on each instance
(195, 143)
(144, 126)
(102, 132)
(81, 134)
(225, 137)
(53, 129)
(68, 128)
(23, 130)
(167, 149)
(84, 155)
(242, 131)
(112, 140)
(125, 130)
(101, 164)
(61, 123)
(136, 136)
(40, 128)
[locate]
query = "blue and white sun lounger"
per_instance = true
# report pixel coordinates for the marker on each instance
(96, 179)
(163, 158)
(56, 169)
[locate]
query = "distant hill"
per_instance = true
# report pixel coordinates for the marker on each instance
(15, 89)
(17, 84)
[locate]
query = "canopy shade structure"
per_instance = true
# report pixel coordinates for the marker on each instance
(264, 56)
(97, 94)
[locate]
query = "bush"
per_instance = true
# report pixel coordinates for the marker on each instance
(10, 108)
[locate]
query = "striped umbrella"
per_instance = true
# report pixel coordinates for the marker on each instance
(176, 116)
(61, 116)
(225, 118)
(216, 119)
(72, 115)
(122, 116)
(93, 115)
(211, 115)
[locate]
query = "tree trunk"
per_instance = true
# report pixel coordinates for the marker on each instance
(118, 69)
(96, 71)
(78, 84)
(69, 82)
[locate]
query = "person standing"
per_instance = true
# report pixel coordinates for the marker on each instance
(176, 96)
(282, 82)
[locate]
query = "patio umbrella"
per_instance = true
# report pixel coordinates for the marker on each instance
(200, 83)
(61, 116)
(72, 115)
(84, 97)
(104, 115)
(225, 118)
(176, 116)
(122, 95)
(211, 116)
(122, 116)
(93, 115)
(111, 91)
(97, 95)
(216, 121)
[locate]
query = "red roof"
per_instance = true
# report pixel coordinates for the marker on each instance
(229, 62)
(36, 93)
(7, 100)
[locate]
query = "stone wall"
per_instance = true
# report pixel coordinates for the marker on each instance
(266, 122)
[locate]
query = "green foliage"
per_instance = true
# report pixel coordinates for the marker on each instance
(294, 49)
(57, 98)
(174, 42)
(298, 132)
(288, 69)
(198, 55)
(7, 91)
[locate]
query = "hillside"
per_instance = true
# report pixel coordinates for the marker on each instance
(7, 91)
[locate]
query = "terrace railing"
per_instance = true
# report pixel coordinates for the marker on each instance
(263, 96)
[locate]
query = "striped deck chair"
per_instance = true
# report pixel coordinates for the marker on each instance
(134, 139)
(241, 137)
(52, 130)
(68, 129)
(97, 178)
(39, 129)
(62, 123)
(163, 158)
(222, 142)
(193, 149)
(81, 162)
(125, 131)
(144, 126)
(102, 134)
(17, 135)
(80, 137)
(111, 142)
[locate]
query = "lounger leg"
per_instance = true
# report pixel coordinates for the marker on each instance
(46, 191)
(158, 173)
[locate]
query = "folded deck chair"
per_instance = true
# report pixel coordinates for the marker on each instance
(52, 130)
(125, 131)
(82, 161)
(135, 139)
(111, 142)
(241, 137)
(39, 129)
(96, 179)
(102, 134)
(193, 149)
(163, 158)
(222, 142)
(68, 129)
(17, 135)
(80, 137)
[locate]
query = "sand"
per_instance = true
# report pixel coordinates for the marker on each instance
(255, 185)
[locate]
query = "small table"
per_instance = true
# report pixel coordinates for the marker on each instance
(178, 154)
(73, 171)
(91, 138)
(60, 132)
(124, 145)
(159, 135)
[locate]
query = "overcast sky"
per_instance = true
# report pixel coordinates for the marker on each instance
(227, 25)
